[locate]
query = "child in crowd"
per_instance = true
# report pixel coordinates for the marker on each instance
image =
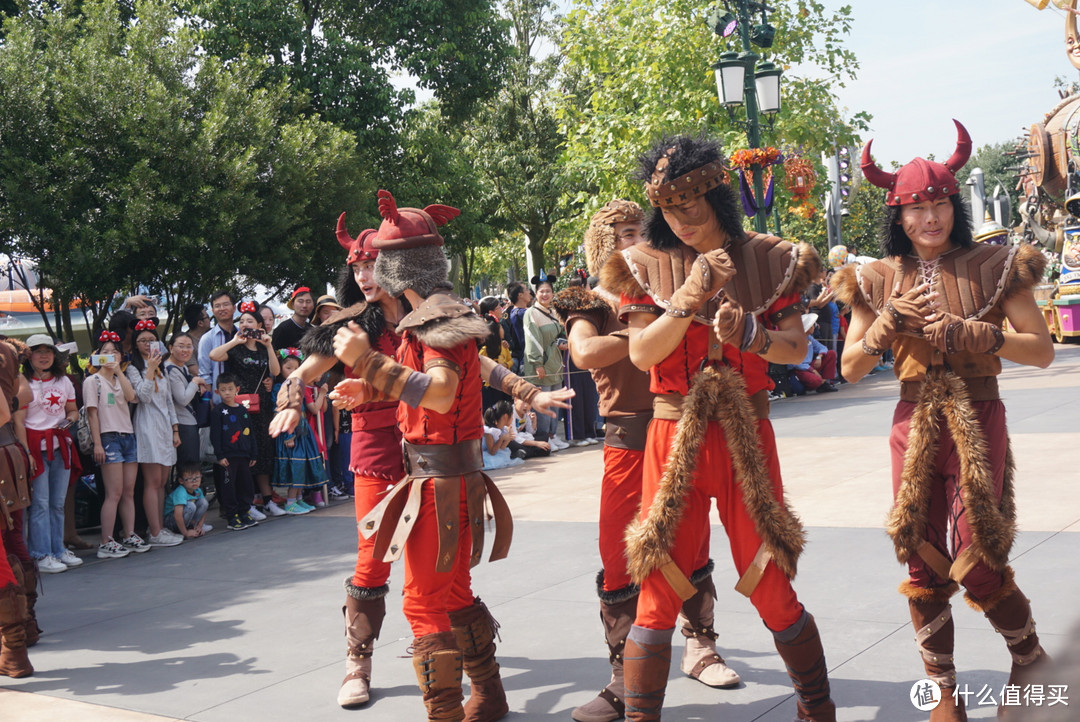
(498, 433)
(185, 507)
(524, 425)
(299, 463)
(234, 446)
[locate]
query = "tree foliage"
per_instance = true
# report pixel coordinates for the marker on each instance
(128, 158)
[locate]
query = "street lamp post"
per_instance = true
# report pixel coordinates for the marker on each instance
(739, 80)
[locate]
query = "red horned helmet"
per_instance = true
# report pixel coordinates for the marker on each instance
(359, 248)
(409, 227)
(921, 179)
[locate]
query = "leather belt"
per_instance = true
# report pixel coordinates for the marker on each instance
(980, 388)
(670, 406)
(428, 460)
(628, 432)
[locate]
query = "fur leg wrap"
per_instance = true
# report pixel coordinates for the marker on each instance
(715, 394)
(993, 521)
(364, 610)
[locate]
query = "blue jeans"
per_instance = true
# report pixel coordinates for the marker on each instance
(48, 490)
(193, 511)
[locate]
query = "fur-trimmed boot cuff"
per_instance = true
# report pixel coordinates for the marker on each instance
(927, 595)
(700, 574)
(363, 593)
(615, 596)
(987, 604)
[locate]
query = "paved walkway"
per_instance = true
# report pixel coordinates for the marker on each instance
(241, 626)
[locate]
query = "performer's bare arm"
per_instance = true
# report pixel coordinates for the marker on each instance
(788, 342)
(653, 338)
(1030, 343)
(311, 369)
(855, 362)
(590, 350)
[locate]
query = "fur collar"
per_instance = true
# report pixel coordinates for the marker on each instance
(444, 321)
(319, 340)
(579, 300)
(616, 277)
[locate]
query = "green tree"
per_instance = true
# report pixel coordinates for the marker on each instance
(998, 161)
(861, 229)
(129, 158)
(638, 68)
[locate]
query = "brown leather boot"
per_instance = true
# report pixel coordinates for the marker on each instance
(800, 647)
(1010, 613)
(13, 659)
(617, 611)
(437, 662)
(646, 664)
(475, 630)
(931, 615)
(700, 659)
(364, 611)
(30, 587)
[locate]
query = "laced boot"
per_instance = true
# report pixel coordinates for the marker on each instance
(30, 586)
(364, 610)
(931, 615)
(475, 630)
(617, 611)
(1010, 613)
(700, 659)
(437, 662)
(800, 647)
(13, 659)
(646, 664)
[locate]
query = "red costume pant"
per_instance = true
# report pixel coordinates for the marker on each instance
(431, 595)
(370, 572)
(948, 528)
(6, 575)
(620, 500)
(774, 598)
(14, 540)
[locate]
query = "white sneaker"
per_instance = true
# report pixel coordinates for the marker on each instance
(256, 514)
(51, 565)
(164, 539)
(592, 440)
(558, 444)
(273, 509)
(207, 528)
(68, 559)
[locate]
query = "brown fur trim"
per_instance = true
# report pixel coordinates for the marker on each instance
(993, 522)
(1008, 586)
(452, 332)
(616, 277)
(845, 282)
(1027, 269)
(599, 245)
(807, 269)
(715, 394)
(616, 596)
(319, 340)
(700, 574)
(922, 595)
(579, 300)
(363, 593)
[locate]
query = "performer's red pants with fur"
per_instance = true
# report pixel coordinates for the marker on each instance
(948, 527)
(370, 572)
(774, 598)
(431, 595)
(620, 500)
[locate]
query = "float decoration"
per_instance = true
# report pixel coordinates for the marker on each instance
(800, 179)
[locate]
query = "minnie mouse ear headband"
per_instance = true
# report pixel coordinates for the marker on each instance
(921, 179)
(297, 292)
(291, 351)
(109, 336)
(542, 277)
(250, 307)
(147, 324)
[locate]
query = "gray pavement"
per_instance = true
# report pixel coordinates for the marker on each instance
(248, 625)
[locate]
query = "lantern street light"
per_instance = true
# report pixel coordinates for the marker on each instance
(741, 81)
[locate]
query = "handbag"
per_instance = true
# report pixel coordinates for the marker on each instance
(202, 407)
(249, 402)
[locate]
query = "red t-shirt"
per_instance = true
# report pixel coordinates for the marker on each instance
(464, 421)
(674, 374)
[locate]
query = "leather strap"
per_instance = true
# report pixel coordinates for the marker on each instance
(670, 406)
(430, 460)
(934, 559)
(627, 432)
(678, 581)
(963, 565)
(752, 576)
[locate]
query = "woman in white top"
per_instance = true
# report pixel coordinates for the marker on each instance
(157, 432)
(106, 395)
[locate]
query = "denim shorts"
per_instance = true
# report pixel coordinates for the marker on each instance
(119, 448)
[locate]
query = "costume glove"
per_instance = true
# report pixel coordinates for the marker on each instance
(950, 334)
(710, 273)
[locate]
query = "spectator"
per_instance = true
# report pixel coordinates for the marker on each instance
(184, 389)
(157, 432)
(223, 306)
(268, 318)
(198, 323)
(234, 446)
(291, 330)
(299, 464)
(821, 300)
(52, 453)
(498, 433)
(524, 423)
(120, 323)
(545, 341)
(250, 359)
(326, 307)
(496, 349)
(514, 322)
(185, 507)
(819, 367)
(107, 392)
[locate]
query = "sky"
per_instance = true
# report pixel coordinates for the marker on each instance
(990, 64)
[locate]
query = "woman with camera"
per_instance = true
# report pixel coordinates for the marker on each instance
(106, 394)
(250, 357)
(157, 432)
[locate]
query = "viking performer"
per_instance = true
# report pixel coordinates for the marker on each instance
(375, 454)
(598, 342)
(939, 300)
(436, 513)
(18, 626)
(708, 306)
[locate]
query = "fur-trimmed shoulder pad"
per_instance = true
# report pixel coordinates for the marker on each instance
(444, 321)
(1027, 270)
(617, 278)
(767, 268)
(582, 302)
(319, 340)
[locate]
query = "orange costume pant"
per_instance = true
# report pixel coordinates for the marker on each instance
(370, 572)
(658, 605)
(620, 501)
(431, 595)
